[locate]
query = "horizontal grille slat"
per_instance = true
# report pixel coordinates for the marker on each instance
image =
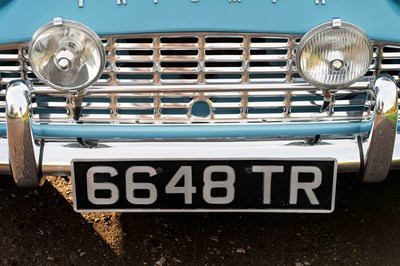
(9, 57)
(133, 46)
(178, 58)
(10, 68)
(134, 58)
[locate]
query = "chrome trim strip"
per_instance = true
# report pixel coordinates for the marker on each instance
(125, 88)
(22, 157)
(382, 137)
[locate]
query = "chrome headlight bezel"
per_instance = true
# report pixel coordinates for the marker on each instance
(79, 89)
(323, 28)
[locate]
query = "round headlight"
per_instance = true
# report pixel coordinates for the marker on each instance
(334, 56)
(67, 56)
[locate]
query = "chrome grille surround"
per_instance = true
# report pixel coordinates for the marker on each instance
(199, 78)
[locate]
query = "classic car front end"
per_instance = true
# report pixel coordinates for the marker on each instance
(172, 105)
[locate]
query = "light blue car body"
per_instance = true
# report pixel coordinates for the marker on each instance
(19, 19)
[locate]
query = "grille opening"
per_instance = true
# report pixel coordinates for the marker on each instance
(135, 77)
(391, 61)
(353, 108)
(88, 111)
(224, 76)
(179, 52)
(304, 109)
(174, 111)
(136, 112)
(268, 52)
(44, 99)
(134, 52)
(348, 96)
(134, 64)
(224, 52)
(11, 51)
(96, 100)
(179, 64)
(255, 99)
(394, 73)
(272, 110)
(227, 111)
(9, 63)
(265, 76)
(268, 64)
(32, 76)
(223, 64)
(49, 111)
(224, 39)
(179, 76)
(225, 99)
(179, 39)
(296, 76)
(268, 40)
(10, 75)
(308, 98)
(104, 77)
(391, 49)
(134, 40)
(369, 73)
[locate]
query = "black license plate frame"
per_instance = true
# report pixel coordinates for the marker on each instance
(249, 185)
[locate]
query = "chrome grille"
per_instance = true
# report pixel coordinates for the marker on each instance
(208, 106)
(198, 59)
(199, 78)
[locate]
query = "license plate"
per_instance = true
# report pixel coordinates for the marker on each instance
(290, 185)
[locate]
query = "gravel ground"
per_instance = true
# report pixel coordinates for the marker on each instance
(40, 227)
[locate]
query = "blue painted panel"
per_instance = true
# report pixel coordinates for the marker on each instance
(194, 132)
(19, 19)
(182, 132)
(148, 132)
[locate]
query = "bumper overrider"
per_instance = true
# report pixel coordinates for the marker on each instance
(28, 158)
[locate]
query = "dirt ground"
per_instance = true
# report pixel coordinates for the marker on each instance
(39, 227)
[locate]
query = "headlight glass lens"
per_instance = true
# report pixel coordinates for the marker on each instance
(334, 57)
(67, 56)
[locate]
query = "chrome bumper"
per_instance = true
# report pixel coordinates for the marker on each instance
(374, 156)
